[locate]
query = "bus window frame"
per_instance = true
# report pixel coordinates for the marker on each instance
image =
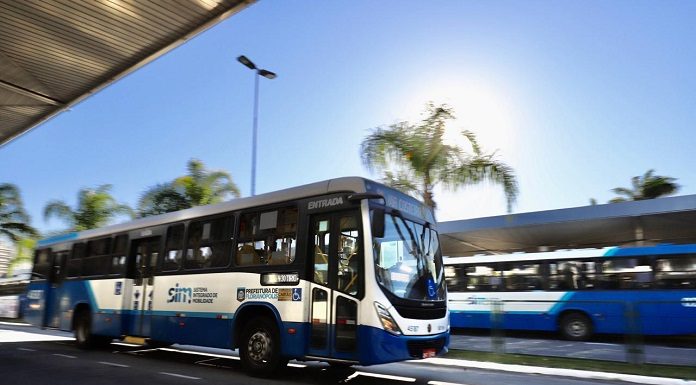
(227, 241)
(159, 266)
(257, 211)
(106, 257)
(73, 250)
(113, 254)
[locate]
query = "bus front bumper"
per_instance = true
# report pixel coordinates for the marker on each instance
(378, 346)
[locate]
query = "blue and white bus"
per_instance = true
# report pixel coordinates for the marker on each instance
(12, 295)
(645, 290)
(346, 271)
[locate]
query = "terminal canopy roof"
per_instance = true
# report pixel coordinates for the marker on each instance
(55, 53)
(662, 220)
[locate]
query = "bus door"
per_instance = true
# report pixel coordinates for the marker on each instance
(141, 262)
(56, 276)
(335, 263)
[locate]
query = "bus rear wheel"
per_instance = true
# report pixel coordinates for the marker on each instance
(259, 348)
(83, 332)
(576, 327)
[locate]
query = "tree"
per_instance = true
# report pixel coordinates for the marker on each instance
(648, 186)
(199, 187)
(415, 159)
(14, 221)
(160, 199)
(95, 208)
(24, 255)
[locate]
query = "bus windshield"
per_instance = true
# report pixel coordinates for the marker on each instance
(408, 260)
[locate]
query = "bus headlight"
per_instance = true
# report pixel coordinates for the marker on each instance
(388, 322)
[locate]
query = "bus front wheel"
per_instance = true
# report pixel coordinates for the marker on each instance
(576, 327)
(259, 348)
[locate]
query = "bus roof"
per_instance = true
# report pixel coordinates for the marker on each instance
(576, 254)
(345, 184)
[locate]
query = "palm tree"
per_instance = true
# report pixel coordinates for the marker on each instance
(202, 187)
(160, 199)
(14, 221)
(199, 187)
(95, 208)
(649, 186)
(414, 158)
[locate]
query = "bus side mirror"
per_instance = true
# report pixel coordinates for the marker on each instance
(378, 223)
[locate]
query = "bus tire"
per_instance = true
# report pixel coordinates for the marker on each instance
(576, 326)
(83, 332)
(259, 348)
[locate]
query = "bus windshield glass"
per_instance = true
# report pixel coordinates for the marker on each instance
(408, 260)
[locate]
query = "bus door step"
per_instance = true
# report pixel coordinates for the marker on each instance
(135, 340)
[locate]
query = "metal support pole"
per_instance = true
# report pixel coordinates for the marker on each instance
(254, 134)
(497, 327)
(635, 351)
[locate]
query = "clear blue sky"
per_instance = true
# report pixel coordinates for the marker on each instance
(577, 97)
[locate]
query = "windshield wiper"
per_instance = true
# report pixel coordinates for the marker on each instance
(397, 214)
(418, 252)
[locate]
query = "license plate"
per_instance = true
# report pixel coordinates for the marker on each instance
(429, 353)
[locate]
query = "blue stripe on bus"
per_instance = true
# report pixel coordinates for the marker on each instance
(660, 312)
(56, 239)
(556, 308)
(650, 250)
(90, 294)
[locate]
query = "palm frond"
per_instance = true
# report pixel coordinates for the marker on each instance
(415, 156)
(401, 182)
(59, 209)
(484, 168)
(630, 194)
(647, 186)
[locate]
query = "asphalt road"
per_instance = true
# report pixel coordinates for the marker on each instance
(31, 359)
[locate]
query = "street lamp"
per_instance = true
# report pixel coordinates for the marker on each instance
(268, 75)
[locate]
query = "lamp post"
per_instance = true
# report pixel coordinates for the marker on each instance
(268, 75)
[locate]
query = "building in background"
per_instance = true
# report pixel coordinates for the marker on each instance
(7, 252)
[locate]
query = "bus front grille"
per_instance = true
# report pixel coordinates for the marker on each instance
(421, 313)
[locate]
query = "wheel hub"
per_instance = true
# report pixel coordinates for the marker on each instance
(259, 346)
(576, 328)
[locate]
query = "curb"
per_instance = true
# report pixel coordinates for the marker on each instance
(557, 372)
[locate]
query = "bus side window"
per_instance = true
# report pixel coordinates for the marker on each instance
(42, 264)
(75, 262)
(118, 255)
(572, 275)
(267, 238)
(522, 276)
(627, 273)
(96, 261)
(483, 278)
(59, 261)
(678, 272)
(453, 279)
(248, 253)
(173, 246)
(283, 252)
(207, 244)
